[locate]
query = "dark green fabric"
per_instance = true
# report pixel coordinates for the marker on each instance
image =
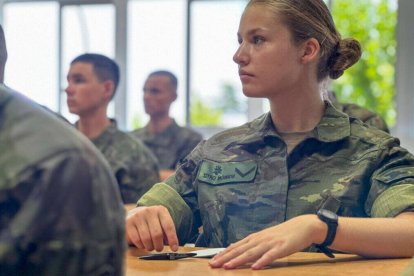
(134, 166)
(171, 145)
(60, 208)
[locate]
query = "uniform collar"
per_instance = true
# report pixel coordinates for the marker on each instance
(111, 129)
(108, 132)
(333, 126)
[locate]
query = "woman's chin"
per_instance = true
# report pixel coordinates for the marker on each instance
(252, 94)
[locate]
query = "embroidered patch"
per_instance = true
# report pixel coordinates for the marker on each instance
(229, 172)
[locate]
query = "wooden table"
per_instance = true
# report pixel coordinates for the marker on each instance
(297, 264)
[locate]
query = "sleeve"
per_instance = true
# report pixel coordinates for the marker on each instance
(179, 196)
(165, 195)
(68, 215)
(392, 188)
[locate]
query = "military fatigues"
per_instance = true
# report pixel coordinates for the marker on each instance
(242, 180)
(60, 208)
(368, 117)
(133, 164)
(171, 145)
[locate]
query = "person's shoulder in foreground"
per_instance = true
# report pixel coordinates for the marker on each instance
(61, 209)
(133, 164)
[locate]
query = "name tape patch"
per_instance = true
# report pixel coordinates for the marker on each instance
(229, 172)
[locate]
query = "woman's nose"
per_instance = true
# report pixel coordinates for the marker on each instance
(240, 56)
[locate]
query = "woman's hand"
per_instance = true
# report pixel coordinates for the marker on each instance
(150, 228)
(272, 243)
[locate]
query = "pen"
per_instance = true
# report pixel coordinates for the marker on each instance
(167, 256)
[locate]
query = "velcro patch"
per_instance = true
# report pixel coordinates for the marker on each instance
(230, 172)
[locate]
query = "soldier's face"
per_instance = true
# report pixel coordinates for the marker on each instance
(85, 92)
(269, 63)
(158, 96)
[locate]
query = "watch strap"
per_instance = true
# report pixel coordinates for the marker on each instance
(332, 225)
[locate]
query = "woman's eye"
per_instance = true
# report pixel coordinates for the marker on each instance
(258, 39)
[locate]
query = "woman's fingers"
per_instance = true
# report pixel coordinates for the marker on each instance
(147, 226)
(169, 230)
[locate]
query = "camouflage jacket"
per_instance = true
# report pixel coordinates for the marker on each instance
(243, 180)
(60, 208)
(134, 166)
(170, 146)
(368, 117)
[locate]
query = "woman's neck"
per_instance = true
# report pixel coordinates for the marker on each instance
(297, 113)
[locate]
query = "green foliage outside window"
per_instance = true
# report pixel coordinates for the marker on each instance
(228, 101)
(203, 114)
(371, 81)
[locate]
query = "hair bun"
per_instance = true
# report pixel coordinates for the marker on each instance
(346, 53)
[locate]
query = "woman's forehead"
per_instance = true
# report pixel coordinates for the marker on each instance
(259, 17)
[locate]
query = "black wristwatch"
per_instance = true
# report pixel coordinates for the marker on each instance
(331, 220)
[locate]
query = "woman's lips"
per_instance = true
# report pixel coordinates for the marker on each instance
(244, 76)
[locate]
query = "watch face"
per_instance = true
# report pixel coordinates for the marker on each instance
(328, 214)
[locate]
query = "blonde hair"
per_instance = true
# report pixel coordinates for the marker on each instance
(312, 19)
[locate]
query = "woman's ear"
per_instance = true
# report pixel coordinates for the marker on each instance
(311, 49)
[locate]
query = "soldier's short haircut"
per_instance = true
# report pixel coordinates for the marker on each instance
(170, 75)
(104, 67)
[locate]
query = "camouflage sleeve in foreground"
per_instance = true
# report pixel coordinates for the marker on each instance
(64, 215)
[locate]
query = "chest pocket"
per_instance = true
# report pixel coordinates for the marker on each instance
(215, 173)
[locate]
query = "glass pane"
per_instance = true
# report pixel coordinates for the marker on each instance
(156, 40)
(216, 95)
(31, 31)
(86, 28)
(370, 82)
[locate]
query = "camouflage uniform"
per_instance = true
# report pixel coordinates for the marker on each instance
(368, 117)
(134, 166)
(170, 146)
(243, 180)
(60, 208)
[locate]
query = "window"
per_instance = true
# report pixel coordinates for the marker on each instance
(31, 31)
(216, 95)
(156, 40)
